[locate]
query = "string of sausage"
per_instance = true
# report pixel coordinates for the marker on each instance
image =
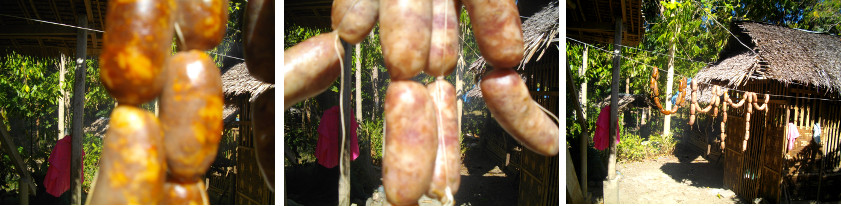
(656, 93)
(749, 97)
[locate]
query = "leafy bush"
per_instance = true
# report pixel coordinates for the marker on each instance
(93, 149)
(635, 148)
(373, 130)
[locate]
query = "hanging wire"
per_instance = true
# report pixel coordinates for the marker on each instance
(56, 23)
(643, 63)
(100, 31)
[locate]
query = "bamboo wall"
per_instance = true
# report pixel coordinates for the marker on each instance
(766, 169)
(251, 189)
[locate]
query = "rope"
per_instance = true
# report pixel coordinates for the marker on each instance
(738, 90)
(177, 31)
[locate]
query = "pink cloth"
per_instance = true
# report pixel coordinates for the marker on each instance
(792, 135)
(327, 147)
(57, 180)
(601, 137)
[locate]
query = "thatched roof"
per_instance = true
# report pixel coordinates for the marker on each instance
(539, 31)
(236, 81)
(625, 100)
(592, 21)
(782, 54)
(39, 39)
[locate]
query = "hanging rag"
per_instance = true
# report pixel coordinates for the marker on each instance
(816, 133)
(601, 137)
(792, 134)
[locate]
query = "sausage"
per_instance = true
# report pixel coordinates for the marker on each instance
(136, 43)
(262, 118)
(496, 25)
(310, 67)
(191, 114)
(510, 104)
(448, 159)
(354, 22)
(405, 32)
(132, 168)
(444, 46)
(202, 23)
(184, 193)
(411, 142)
(258, 40)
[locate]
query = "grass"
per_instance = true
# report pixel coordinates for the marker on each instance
(635, 148)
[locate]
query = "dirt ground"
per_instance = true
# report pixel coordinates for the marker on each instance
(685, 177)
(483, 182)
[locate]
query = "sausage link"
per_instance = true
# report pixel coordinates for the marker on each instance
(448, 159)
(191, 114)
(262, 117)
(354, 22)
(405, 32)
(444, 45)
(184, 193)
(411, 142)
(258, 40)
(310, 67)
(132, 167)
(510, 104)
(496, 24)
(202, 23)
(136, 44)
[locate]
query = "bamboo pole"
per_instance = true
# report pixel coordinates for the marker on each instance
(579, 112)
(76, 169)
(344, 155)
(614, 99)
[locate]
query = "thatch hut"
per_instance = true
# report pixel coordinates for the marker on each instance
(243, 185)
(803, 66)
(538, 177)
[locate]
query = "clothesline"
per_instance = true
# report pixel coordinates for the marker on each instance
(96, 30)
(634, 60)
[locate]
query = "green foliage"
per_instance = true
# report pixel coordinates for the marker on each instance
(93, 149)
(634, 148)
(373, 131)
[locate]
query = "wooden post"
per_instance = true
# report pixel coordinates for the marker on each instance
(61, 97)
(573, 192)
(76, 169)
(668, 118)
(585, 135)
(344, 155)
(24, 190)
(358, 95)
(614, 99)
(10, 149)
(581, 73)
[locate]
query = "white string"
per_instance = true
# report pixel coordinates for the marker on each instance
(634, 60)
(56, 23)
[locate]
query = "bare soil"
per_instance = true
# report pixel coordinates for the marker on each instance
(685, 177)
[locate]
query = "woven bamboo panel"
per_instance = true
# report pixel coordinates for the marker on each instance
(532, 190)
(251, 188)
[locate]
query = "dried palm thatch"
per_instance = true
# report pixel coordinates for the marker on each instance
(777, 53)
(236, 82)
(625, 100)
(539, 31)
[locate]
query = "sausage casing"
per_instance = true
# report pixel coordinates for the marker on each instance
(262, 117)
(496, 25)
(202, 23)
(444, 45)
(510, 104)
(191, 114)
(405, 32)
(184, 193)
(448, 159)
(258, 39)
(132, 166)
(411, 142)
(310, 67)
(354, 22)
(136, 43)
